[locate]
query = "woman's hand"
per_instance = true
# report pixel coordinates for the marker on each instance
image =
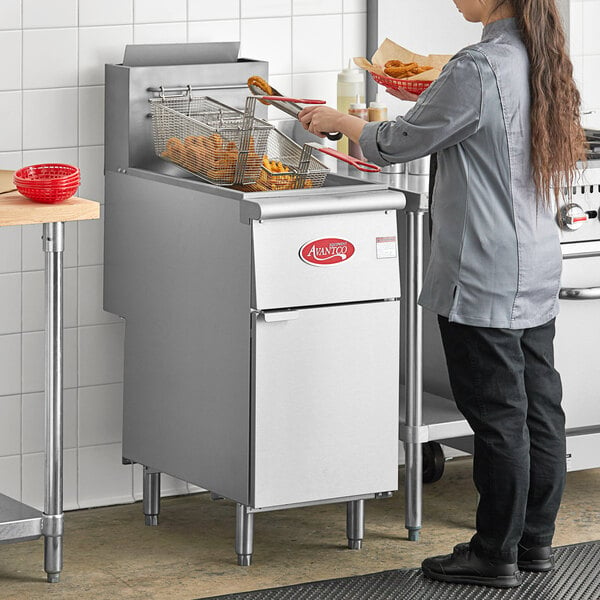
(402, 94)
(320, 119)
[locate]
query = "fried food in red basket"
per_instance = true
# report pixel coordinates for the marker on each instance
(400, 70)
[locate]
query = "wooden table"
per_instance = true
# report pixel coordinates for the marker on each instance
(19, 522)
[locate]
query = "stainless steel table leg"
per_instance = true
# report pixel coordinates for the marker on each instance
(244, 535)
(151, 496)
(355, 523)
(414, 373)
(52, 520)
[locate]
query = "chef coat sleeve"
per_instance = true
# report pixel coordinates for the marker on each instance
(446, 113)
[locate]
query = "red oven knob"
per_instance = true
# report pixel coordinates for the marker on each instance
(572, 217)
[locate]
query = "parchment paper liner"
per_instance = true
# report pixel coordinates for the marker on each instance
(391, 51)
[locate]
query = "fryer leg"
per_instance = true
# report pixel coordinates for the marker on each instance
(244, 535)
(151, 496)
(355, 523)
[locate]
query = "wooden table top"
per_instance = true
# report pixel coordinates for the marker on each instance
(18, 210)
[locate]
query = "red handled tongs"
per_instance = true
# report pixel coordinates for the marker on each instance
(361, 165)
(290, 106)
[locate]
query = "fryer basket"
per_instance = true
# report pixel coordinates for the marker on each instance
(300, 168)
(215, 142)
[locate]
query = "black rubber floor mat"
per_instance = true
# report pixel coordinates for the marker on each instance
(576, 577)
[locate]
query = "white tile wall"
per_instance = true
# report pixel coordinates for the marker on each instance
(10, 359)
(214, 31)
(91, 164)
(10, 476)
(159, 11)
(10, 417)
(102, 479)
(274, 46)
(266, 8)
(200, 10)
(11, 160)
(10, 14)
(50, 118)
(10, 315)
(160, 33)
(41, 13)
(49, 58)
(315, 7)
(91, 116)
(100, 414)
(313, 52)
(10, 249)
(52, 110)
(10, 70)
(11, 107)
(98, 46)
(107, 12)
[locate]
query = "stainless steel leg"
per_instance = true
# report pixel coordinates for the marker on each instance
(151, 496)
(53, 245)
(414, 373)
(244, 535)
(355, 523)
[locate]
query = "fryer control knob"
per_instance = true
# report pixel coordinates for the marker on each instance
(573, 217)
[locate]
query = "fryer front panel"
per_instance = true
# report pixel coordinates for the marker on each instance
(325, 403)
(285, 277)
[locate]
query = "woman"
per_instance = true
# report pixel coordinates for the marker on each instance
(503, 118)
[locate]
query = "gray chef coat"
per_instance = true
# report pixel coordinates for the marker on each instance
(495, 256)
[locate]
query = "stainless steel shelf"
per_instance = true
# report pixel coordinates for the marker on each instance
(441, 419)
(18, 522)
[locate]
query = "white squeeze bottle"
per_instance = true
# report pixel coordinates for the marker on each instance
(350, 84)
(377, 110)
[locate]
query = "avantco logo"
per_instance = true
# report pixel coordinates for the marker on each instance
(326, 251)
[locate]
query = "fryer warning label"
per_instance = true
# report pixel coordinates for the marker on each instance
(386, 247)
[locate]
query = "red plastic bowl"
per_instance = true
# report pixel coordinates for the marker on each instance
(48, 195)
(47, 172)
(47, 183)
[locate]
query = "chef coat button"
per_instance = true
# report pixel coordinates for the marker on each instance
(404, 133)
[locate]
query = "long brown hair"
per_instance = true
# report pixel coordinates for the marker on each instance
(557, 138)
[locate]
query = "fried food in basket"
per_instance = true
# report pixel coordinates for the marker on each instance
(259, 82)
(400, 70)
(211, 156)
(277, 176)
(274, 166)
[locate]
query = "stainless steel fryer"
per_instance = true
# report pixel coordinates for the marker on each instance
(262, 337)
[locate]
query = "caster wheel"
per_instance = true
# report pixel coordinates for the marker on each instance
(433, 462)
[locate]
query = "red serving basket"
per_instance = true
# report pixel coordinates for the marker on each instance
(413, 86)
(47, 183)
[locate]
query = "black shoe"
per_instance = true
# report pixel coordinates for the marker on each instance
(538, 559)
(464, 566)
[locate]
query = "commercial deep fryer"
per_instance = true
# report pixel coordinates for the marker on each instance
(262, 329)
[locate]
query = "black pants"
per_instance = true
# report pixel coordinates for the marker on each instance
(505, 384)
